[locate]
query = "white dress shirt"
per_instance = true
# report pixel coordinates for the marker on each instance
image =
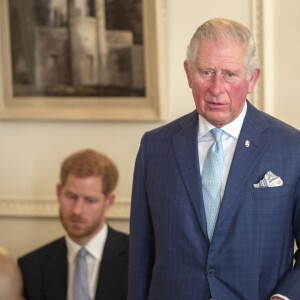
(229, 141)
(95, 250)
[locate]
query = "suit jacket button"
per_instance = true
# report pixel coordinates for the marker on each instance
(210, 273)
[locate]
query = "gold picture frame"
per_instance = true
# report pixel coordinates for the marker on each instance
(148, 107)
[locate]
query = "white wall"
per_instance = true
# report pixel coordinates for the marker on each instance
(287, 61)
(30, 152)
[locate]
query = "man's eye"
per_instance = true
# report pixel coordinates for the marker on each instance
(207, 73)
(229, 74)
(90, 200)
(71, 196)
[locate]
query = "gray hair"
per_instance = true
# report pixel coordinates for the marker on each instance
(219, 29)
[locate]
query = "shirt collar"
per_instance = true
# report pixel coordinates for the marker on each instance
(94, 246)
(233, 128)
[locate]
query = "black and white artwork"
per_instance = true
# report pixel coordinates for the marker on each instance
(77, 48)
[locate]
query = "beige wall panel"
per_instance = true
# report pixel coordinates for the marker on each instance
(287, 61)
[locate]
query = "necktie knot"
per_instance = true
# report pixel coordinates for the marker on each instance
(217, 133)
(82, 253)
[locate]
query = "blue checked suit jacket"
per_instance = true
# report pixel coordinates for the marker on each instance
(251, 253)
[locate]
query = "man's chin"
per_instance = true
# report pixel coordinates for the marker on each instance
(76, 234)
(76, 229)
(218, 119)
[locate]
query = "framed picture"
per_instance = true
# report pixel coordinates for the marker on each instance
(82, 59)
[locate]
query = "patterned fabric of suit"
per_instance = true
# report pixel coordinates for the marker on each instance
(45, 270)
(251, 253)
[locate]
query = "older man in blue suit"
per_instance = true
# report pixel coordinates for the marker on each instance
(194, 238)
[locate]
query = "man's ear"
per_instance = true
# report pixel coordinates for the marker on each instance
(188, 72)
(109, 201)
(58, 190)
(253, 80)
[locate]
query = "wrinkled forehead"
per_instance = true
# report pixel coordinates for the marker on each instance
(223, 41)
(220, 55)
(221, 47)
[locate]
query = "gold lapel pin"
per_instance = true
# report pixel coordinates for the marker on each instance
(247, 143)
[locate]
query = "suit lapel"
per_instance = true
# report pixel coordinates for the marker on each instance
(112, 267)
(55, 273)
(185, 144)
(245, 158)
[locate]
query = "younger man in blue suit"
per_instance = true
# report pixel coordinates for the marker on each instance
(193, 238)
(85, 193)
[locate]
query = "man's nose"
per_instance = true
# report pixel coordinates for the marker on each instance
(78, 206)
(217, 85)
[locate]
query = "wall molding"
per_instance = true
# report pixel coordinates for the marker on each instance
(258, 95)
(44, 207)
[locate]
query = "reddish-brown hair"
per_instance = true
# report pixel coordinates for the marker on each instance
(86, 163)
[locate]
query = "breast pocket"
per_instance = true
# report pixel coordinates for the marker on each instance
(274, 204)
(272, 192)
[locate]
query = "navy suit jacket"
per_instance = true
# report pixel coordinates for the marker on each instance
(251, 253)
(45, 270)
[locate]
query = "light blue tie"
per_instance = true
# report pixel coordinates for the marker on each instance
(212, 180)
(80, 285)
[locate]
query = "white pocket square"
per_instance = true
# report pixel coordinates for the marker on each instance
(269, 180)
